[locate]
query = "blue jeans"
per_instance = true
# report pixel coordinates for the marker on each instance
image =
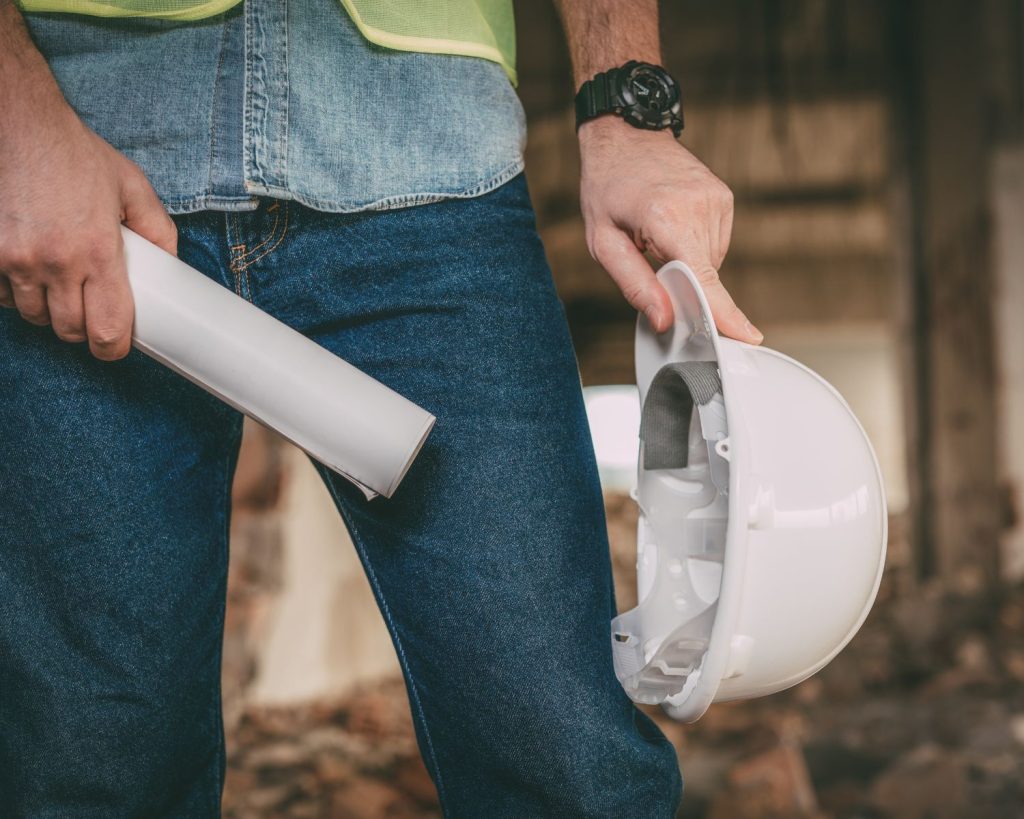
(490, 563)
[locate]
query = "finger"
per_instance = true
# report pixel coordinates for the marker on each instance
(690, 244)
(729, 319)
(145, 214)
(6, 296)
(30, 301)
(724, 237)
(67, 312)
(616, 253)
(109, 310)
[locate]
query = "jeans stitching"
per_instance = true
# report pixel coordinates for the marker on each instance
(389, 620)
(272, 248)
(248, 283)
(225, 545)
(233, 230)
(273, 231)
(213, 131)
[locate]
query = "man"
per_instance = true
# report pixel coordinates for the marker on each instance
(373, 199)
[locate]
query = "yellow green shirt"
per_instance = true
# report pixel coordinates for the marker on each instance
(473, 28)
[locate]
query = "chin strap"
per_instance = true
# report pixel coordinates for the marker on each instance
(668, 407)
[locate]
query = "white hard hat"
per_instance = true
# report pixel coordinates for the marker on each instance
(762, 529)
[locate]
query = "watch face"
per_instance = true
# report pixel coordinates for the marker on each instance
(650, 92)
(650, 89)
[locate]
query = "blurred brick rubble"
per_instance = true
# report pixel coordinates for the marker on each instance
(921, 717)
(355, 758)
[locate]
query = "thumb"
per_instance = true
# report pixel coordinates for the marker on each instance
(616, 253)
(144, 213)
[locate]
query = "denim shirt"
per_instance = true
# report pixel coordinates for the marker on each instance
(288, 100)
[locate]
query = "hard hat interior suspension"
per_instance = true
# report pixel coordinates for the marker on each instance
(683, 484)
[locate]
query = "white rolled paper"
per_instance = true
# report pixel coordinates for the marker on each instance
(350, 422)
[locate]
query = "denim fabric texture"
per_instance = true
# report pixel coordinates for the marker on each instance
(490, 563)
(286, 100)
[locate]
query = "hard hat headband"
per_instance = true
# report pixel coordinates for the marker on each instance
(668, 407)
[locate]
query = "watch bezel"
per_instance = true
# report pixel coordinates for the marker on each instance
(637, 114)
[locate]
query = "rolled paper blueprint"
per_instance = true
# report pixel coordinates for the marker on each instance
(350, 422)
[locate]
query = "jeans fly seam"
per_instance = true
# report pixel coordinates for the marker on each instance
(284, 231)
(233, 232)
(389, 620)
(238, 253)
(273, 232)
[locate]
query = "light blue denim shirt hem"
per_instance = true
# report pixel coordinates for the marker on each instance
(390, 202)
(285, 100)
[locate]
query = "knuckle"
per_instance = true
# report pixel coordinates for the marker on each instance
(101, 252)
(661, 210)
(35, 316)
(170, 233)
(132, 172)
(700, 206)
(17, 255)
(707, 275)
(51, 251)
(109, 353)
(603, 246)
(633, 293)
(67, 322)
(45, 254)
(106, 335)
(22, 285)
(69, 332)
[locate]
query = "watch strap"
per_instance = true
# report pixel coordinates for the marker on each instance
(603, 95)
(595, 96)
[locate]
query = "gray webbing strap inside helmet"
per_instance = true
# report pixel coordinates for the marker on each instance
(665, 419)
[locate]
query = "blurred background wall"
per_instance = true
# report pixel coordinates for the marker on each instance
(876, 153)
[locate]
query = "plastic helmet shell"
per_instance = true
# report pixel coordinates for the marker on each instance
(760, 559)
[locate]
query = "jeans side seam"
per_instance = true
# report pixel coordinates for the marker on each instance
(392, 628)
(229, 474)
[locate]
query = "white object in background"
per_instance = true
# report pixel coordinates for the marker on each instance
(760, 557)
(350, 422)
(613, 414)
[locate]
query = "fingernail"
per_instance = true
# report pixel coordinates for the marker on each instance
(753, 332)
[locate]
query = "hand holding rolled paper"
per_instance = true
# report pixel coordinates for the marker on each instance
(347, 420)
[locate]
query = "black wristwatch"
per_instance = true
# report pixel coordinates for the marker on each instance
(644, 95)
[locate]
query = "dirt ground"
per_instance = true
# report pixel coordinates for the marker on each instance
(921, 717)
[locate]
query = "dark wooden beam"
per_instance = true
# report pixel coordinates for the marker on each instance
(946, 141)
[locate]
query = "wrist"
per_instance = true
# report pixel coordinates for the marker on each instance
(610, 129)
(644, 95)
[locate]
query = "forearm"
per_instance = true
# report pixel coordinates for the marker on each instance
(26, 82)
(641, 191)
(603, 34)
